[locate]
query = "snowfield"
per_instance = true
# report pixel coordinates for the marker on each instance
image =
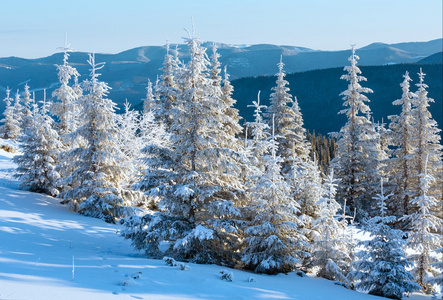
(49, 252)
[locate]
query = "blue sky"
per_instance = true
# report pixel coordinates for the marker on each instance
(35, 28)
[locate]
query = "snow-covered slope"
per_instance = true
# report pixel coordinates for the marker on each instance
(48, 252)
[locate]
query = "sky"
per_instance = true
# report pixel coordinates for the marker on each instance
(36, 28)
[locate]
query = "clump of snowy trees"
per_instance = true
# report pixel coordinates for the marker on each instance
(177, 173)
(11, 123)
(409, 154)
(82, 154)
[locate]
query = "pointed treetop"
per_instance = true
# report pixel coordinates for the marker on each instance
(167, 47)
(95, 67)
(421, 85)
(148, 102)
(191, 35)
(258, 108)
(421, 75)
(406, 76)
(280, 65)
(405, 84)
(66, 49)
(354, 57)
(7, 93)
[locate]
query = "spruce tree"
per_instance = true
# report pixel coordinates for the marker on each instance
(128, 142)
(28, 106)
(330, 257)
(95, 183)
(273, 240)
(288, 121)
(382, 268)
(11, 127)
(215, 67)
(18, 110)
(424, 236)
(40, 147)
(200, 186)
(259, 130)
(167, 89)
(149, 101)
(66, 109)
(400, 167)
(427, 147)
(232, 114)
(356, 160)
(255, 148)
(305, 180)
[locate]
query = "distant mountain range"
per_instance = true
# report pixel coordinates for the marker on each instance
(128, 72)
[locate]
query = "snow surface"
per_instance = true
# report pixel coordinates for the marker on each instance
(40, 239)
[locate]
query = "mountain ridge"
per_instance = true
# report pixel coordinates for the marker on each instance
(296, 58)
(128, 72)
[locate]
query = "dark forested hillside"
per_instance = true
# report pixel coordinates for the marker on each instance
(436, 58)
(318, 93)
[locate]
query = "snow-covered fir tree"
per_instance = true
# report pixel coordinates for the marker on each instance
(66, 109)
(273, 241)
(196, 179)
(375, 155)
(137, 131)
(305, 180)
(18, 109)
(95, 183)
(427, 142)
(288, 121)
(40, 146)
(259, 131)
(382, 266)
(400, 167)
(230, 114)
(167, 88)
(424, 236)
(149, 101)
(215, 66)
(383, 141)
(11, 125)
(28, 105)
(128, 141)
(233, 118)
(356, 160)
(255, 149)
(330, 256)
